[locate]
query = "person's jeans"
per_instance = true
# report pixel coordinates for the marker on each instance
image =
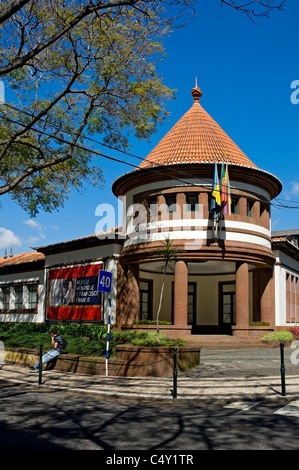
(47, 357)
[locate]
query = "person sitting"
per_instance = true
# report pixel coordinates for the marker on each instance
(58, 344)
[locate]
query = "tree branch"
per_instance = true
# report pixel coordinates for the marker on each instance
(88, 10)
(12, 9)
(49, 163)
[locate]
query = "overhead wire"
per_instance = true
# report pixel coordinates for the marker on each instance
(276, 204)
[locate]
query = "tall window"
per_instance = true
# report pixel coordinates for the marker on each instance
(145, 300)
(192, 202)
(191, 303)
(170, 203)
(234, 205)
(249, 207)
(5, 297)
(32, 296)
(227, 307)
(18, 290)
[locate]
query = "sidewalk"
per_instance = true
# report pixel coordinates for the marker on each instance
(222, 376)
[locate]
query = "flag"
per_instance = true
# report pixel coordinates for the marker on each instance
(216, 197)
(225, 190)
(229, 200)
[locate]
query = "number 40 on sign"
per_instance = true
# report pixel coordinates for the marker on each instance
(105, 281)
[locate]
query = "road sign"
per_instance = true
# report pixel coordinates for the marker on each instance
(105, 281)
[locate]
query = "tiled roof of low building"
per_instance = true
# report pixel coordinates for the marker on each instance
(21, 258)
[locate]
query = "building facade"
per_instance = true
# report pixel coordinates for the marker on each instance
(229, 270)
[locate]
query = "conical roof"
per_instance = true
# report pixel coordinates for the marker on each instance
(196, 138)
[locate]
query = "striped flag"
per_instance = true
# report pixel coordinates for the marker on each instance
(225, 190)
(216, 196)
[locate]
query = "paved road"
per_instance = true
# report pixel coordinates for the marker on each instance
(34, 419)
(246, 362)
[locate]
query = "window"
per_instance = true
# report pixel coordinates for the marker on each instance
(227, 312)
(234, 205)
(191, 303)
(170, 203)
(152, 206)
(18, 297)
(5, 297)
(32, 296)
(18, 290)
(192, 202)
(249, 207)
(145, 300)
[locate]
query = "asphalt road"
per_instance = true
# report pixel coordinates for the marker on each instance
(33, 419)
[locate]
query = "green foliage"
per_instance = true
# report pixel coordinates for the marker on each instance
(259, 323)
(95, 331)
(31, 335)
(98, 78)
(151, 340)
(278, 336)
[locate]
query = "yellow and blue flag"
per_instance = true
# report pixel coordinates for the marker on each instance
(216, 195)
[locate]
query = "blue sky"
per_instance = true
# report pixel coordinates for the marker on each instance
(245, 71)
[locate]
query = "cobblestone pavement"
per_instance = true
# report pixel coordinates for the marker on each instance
(222, 375)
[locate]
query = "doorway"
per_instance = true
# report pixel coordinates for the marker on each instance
(227, 307)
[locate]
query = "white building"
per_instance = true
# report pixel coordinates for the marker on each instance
(228, 274)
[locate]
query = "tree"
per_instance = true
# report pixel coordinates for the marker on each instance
(75, 66)
(80, 68)
(168, 255)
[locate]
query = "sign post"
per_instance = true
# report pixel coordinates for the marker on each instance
(105, 282)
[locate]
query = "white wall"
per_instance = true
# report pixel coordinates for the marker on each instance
(17, 278)
(106, 254)
(284, 264)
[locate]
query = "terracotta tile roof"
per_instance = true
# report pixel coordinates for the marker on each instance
(21, 258)
(196, 138)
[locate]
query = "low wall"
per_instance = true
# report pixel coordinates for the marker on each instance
(171, 331)
(255, 332)
(131, 361)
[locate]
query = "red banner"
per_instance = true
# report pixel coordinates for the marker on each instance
(73, 293)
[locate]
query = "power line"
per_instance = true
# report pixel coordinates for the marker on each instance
(100, 154)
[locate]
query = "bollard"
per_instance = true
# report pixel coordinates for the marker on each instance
(40, 366)
(282, 369)
(175, 373)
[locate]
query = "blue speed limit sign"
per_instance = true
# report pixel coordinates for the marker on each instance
(105, 281)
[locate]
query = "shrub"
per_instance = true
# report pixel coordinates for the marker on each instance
(95, 331)
(278, 336)
(151, 340)
(295, 330)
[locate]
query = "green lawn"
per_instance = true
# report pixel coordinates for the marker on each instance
(33, 341)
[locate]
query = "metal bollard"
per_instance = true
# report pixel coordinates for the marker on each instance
(175, 373)
(282, 369)
(40, 366)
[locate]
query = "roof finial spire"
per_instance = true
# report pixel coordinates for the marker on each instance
(196, 92)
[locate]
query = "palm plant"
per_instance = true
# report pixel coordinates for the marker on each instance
(168, 254)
